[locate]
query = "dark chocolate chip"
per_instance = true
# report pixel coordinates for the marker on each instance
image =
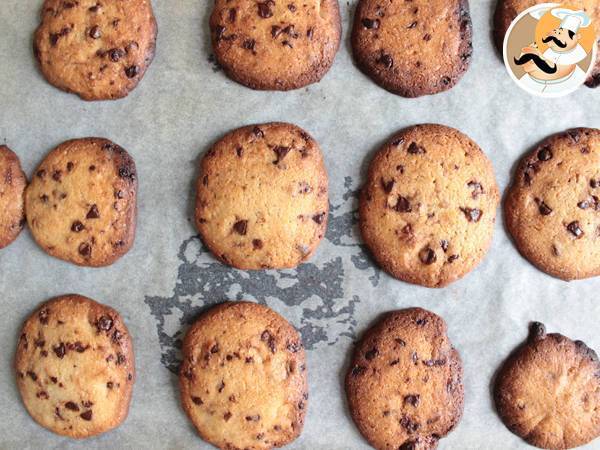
(545, 154)
(115, 54)
(415, 149)
(371, 24)
(87, 415)
(254, 418)
(444, 244)
(95, 32)
(575, 229)
(387, 185)
(85, 249)
(403, 205)
(537, 331)
(249, 44)
(264, 9)
(241, 227)
(70, 166)
(319, 218)
(476, 189)
(93, 213)
(385, 60)
(472, 214)
(72, 406)
(197, 400)
(57, 175)
(60, 350)
(358, 370)
(281, 153)
(132, 71)
(371, 354)
(427, 256)
(412, 399)
(257, 244)
(258, 132)
(104, 323)
(544, 209)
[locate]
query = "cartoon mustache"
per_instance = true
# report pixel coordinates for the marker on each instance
(558, 42)
(537, 60)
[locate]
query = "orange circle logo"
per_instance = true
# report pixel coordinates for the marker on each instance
(550, 49)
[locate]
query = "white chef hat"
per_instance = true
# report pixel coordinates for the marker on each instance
(572, 20)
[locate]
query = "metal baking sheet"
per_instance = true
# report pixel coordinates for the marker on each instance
(182, 106)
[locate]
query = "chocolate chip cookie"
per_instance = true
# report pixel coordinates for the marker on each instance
(275, 44)
(243, 377)
(413, 48)
(404, 385)
(548, 391)
(81, 202)
(261, 200)
(428, 208)
(97, 49)
(75, 367)
(552, 209)
(508, 10)
(12, 199)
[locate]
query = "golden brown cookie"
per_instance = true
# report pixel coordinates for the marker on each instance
(428, 208)
(261, 199)
(97, 49)
(75, 367)
(243, 377)
(548, 391)
(508, 10)
(275, 44)
(404, 385)
(12, 199)
(552, 209)
(81, 202)
(413, 48)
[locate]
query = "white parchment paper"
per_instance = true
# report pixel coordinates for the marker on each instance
(179, 109)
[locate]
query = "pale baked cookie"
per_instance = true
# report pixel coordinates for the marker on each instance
(75, 367)
(552, 209)
(508, 10)
(97, 49)
(413, 48)
(261, 200)
(12, 200)
(404, 385)
(243, 377)
(81, 202)
(548, 391)
(275, 44)
(428, 208)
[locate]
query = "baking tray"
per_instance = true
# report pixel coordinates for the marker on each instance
(181, 107)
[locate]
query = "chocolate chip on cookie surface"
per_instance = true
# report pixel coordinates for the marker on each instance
(275, 44)
(97, 49)
(262, 197)
(81, 202)
(508, 10)
(75, 367)
(243, 377)
(12, 199)
(428, 207)
(548, 391)
(404, 384)
(413, 48)
(552, 209)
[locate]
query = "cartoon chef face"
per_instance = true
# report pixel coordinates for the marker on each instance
(562, 40)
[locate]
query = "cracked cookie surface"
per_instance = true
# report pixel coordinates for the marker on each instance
(243, 377)
(75, 367)
(404, 384)
(413, 48)
(508, 10)
(12, 198)
(275, 44)
(262, 197)
(548, 391)
(428, 208)
(552, 209)
(81, 202)
(97, 49)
